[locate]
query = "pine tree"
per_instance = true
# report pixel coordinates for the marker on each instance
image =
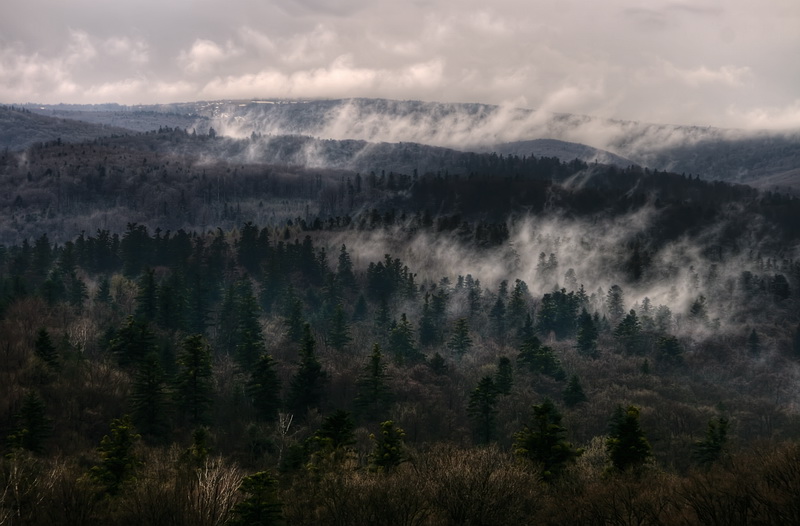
(31, 425)
(333, 441)
(43, 348)
(587, 335)
(149, 399)
(249, 339)
(628, 333)
(504, 377)
(294, 321)
(373, 397)
(712, 447)
(344, 269)
(147, 298)
(428, 333)
(669, 351)
(627, 446)
(260, 505)
(541, 359)
(401, 341)
(194, 383)
(573, 393)
(118, 462)
(339, 334)
(307, 385)
(132, 342)
(544, 443)
(389, 451)
(460, 342)
(615, 304)
(482, 410)
(438, 364)
(264, 388)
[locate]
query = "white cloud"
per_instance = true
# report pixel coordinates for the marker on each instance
(205, 54)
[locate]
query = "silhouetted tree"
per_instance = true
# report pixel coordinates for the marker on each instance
(627, 446)
(544, 443)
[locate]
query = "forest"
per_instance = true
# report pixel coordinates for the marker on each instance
(191, 336)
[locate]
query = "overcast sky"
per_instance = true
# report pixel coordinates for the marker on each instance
(729, 63)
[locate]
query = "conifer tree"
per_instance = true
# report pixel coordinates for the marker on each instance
(401, 341)
(344, 269)
(249, 339)
(264, 388)
(334, 439)
(194, 383)
(339, 334)
(118, 461)
(307, 385)
(428, 333)
(628, 333)
(712, 447)
(460, 342)
(754, 343)
(627, 446)
(587, 334)
(389, 451)
(149, 400)
(573, 393)
(260, 505)
(147, 297)
(132, 342)
(482, 410)
(372, 393)
(44, 348)
(615, 304)
(541, 359)
(544, 443)
(31, 425)
(504, 377)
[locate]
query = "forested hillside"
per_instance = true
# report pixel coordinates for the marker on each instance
(191, 335)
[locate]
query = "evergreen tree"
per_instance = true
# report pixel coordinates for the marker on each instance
(573, 393)
(628, 333)
(103, 291)
(497, 318)
(438, 364)
(627, 446)
(339, 334)
(133, 341)
(147, 297)
(669, 351)
(389, 451)
(118, 461)
(544, 443)
(401, 341)
(482, 410)
(43, 348)
(587, 335)
(541, 359)
(344, 269)
(712, 447)
(194, 383)
(517, 304)
(333, 441)
(149, 400)
(294, 321)
(260, 505)
(307, 385)
(372, 392)
(264, 388)
(249, 339)
(460, 342)
(428, 333)
(31, 425)
(360, 309)
(504, 377)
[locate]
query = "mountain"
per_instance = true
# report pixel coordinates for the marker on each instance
(712, 153)
(20, 128)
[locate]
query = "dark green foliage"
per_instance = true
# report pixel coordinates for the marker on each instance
(460, 341)
(118, 461)
(698, 312)
(389, 450)
(573, 393)
(103, 291)
(428, 331)
(133, 341)
(538, 358)
(308, 383)
(339, 334)
(260, 505)
(31, 425)
(401, 342)
(294, 321)
(497, 319)
(518, 305)
(504, 377)
(629, 333)
(557, 314)
(334, 438)
(44, 348)
(264, 388)
(587, 335)
(438, 364)
(627, 446)
(194, 387)
(344, 269)
(147, 297)
(544, 443)
(149, 399)
(249, 340)
(482, 410)
(669, 351)
(712, 447)
(360, 309)
(373, 396)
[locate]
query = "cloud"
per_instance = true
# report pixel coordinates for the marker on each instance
(205, 54)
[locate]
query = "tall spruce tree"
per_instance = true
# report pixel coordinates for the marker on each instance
(389, 451)
(627, 447)
(118, 461)
(544, 442)
(31, 425)
(482, 410)
(308, 383)
(373, 396)
(339, 334)
(264, 388)
(460, 341)
(149, 399)
(194, 387)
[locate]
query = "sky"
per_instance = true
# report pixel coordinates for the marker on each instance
(724, 63)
